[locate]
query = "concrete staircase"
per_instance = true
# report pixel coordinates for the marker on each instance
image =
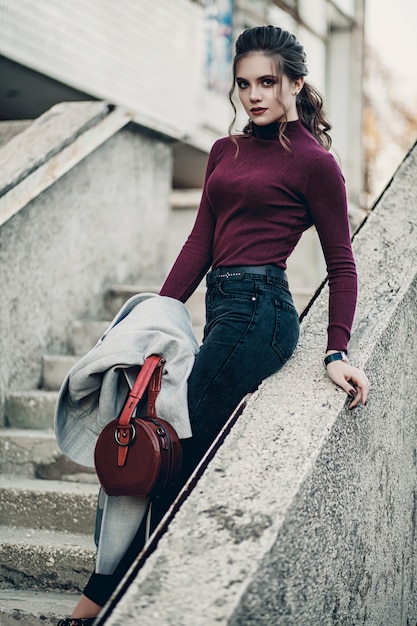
(47, 502)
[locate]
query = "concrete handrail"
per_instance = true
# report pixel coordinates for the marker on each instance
(50, 147)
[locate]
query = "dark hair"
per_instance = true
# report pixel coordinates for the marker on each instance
(290, 59)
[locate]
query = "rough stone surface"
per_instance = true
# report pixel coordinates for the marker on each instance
(47, 560)
(35, 454)
(31, 409)
(307, 514)
(32, 608)
(41, 504)
(22, 451)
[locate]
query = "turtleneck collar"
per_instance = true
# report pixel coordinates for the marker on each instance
(270, 131)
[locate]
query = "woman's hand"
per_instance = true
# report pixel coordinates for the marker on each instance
(352, 379)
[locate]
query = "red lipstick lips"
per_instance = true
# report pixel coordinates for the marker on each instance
(257, 110)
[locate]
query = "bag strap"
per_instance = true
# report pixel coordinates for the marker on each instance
(154, 388)
(150, 374)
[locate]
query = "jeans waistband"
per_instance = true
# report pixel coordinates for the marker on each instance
(240, 271)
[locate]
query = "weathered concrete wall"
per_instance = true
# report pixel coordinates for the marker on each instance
(102, 222)
(307, 514)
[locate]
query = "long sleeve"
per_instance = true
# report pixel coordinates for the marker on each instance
(326, 197)
(195, 257)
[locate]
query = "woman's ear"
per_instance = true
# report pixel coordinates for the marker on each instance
(298, 84)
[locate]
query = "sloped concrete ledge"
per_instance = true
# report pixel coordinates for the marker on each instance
(53, 144)
(307, 514)
(45, 137)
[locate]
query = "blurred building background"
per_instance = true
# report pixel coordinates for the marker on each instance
(390, 91)
(390, 125)
(169, 63)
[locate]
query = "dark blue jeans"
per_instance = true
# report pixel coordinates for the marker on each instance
(252, 328)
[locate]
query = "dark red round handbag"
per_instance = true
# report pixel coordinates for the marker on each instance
(137, 456)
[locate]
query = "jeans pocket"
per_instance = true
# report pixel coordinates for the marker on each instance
(287, 329)
(230, 309)
(244, 290)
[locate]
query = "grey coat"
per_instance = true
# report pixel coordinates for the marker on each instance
(95, 389)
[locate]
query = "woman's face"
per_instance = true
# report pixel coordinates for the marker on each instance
(265, 96)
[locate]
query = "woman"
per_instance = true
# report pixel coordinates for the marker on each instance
(263, 189)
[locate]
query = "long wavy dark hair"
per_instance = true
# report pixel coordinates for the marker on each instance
(290, 59)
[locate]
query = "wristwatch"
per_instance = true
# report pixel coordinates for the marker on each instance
(336, 356)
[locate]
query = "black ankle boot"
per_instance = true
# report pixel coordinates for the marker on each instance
(77, 621)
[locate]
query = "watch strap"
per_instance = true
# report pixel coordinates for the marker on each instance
(335, 356)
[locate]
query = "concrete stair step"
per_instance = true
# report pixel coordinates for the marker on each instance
(35, 454)
(45, 559)
(84, 335)
(55, 367)
(30, 409)
(22, 451)
(185, 198)
(116, 296)
(48, 504)
(31, 608)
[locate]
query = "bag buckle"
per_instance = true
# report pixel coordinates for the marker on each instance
(127, 437)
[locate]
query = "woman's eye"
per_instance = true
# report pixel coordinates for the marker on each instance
(242, 84)
(268, 82)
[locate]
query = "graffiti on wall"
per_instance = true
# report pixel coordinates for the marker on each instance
(219, 43)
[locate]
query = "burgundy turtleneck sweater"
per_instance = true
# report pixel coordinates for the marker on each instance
(255, 206)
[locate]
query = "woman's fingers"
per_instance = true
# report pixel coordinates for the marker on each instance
(352, 380)
(361, 382)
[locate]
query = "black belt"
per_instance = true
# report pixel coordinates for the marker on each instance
(239, 272)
